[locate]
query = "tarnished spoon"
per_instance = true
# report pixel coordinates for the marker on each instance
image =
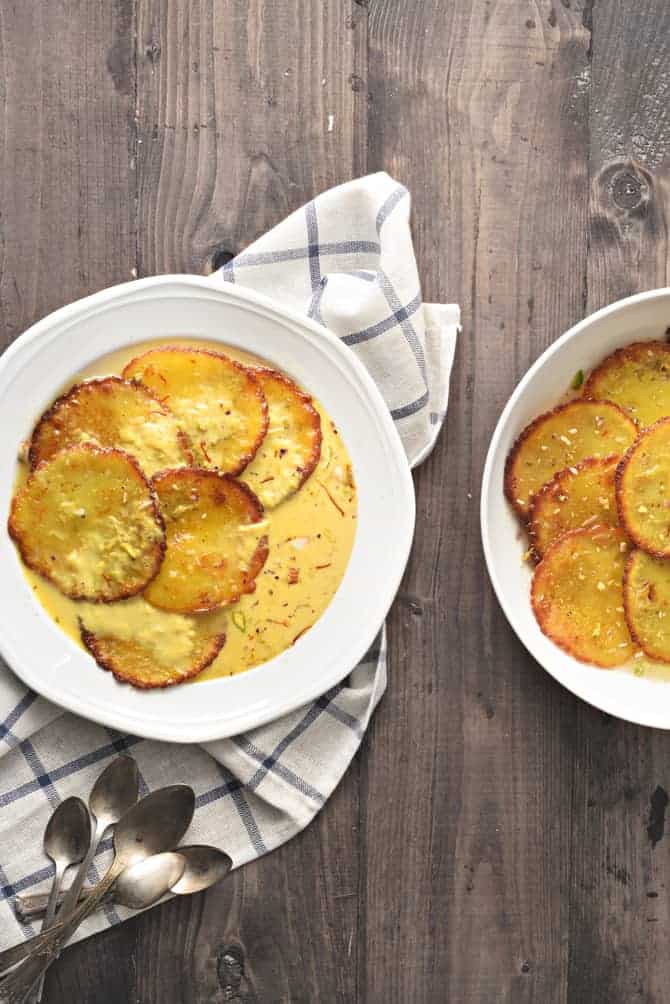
(205, 866)
(144, 883)
(141, 885)
(115, 791)
(156, 824)
(66, 841)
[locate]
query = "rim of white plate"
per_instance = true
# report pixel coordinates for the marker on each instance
(617, 692)
(214, 709)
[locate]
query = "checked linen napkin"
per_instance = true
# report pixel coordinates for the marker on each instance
(346, 259)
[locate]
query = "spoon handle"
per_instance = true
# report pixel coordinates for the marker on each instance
(52, 901)
(41, 942)
(17, 953)
(11, 956)
(28, 907)
(49, 916)
(17, 987)
(72, 895)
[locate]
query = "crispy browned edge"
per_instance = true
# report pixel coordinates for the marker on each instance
(626, 609)
(315, 420)
(33, 453)
(248, 372)
(551, 486)
(508, 482)
(560, 542)
(631, 351)
(160, 552)
(619, 490)
(90, 640)
(259, 556)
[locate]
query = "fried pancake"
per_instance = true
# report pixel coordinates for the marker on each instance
(214, 548)
(111, 412)
(292, 446)
(647, 603)
(643, 490)
(577, 596)
(562, 438)
(218, 402)
(89, 522)
(637, 378)
(147, 647)
(578, 496)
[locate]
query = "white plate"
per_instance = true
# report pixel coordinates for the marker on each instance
(34, 369)
(618, 692)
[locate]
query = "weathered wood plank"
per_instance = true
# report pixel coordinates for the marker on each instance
(66, 184)
(619, 867)
(233, 106)
(481, 109)
(67, 228)
(629, 120)
(234, 103)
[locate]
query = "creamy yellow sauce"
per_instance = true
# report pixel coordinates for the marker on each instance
(311, 536)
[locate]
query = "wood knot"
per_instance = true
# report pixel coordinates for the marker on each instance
(624, 205)
(627, 190)
(658, 803)
(153, 52)
(218, 258)
(230, 969)
(413, 604)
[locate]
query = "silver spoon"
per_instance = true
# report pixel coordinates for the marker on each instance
(144, 883)
(138, 886)
(205, 866)
(66, 840)
(156, 824)
(115, 791)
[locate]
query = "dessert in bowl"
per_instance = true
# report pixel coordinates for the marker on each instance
(344, 477)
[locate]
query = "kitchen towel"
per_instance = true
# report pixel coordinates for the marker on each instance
(346, 259)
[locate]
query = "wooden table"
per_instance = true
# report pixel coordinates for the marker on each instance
(496, 840)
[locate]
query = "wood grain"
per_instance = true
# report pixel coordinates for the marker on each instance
(66, 184)
(67, 228)
(233, 134)
(496, 840)
(475, 110)
(233, 119)
(619, 871)
(630, 159)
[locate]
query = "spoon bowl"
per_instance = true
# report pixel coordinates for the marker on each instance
(155, 824)
(115, 791)
(144, 883)
(204, 867)
(68, 833)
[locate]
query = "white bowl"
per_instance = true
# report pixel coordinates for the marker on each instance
(641, 700)
(39, 363)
